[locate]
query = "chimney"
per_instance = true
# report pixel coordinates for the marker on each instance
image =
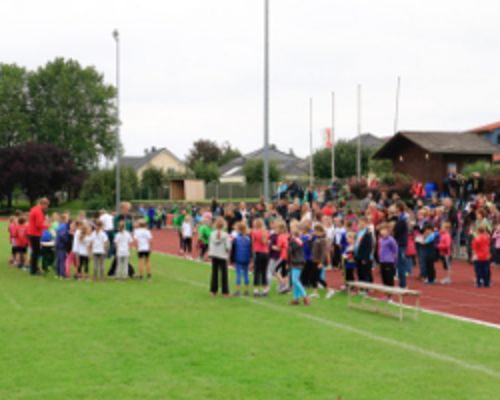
(291, 152)
(146, 151)
(153, 149)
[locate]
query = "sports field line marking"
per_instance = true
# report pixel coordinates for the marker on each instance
(13, 301)
(368, 335)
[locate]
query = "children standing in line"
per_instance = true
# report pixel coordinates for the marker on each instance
(187, 236)
(260, 245)
(242, 255)
(430, 253)
(74, 238)
(496, 245)
(444, 248)
(123, 240)
(22, 241)
(62, 243)
(482, 256)
(319, 257)
(12, 239)
(82, 246)
(204, 232)
(296, 262)
(281, 270)
(219, 249)
(348, 258)
(99, 247)
(387, 256)
(143, 238)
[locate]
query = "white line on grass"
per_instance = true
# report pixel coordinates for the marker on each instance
(13, 301)
(368, 335)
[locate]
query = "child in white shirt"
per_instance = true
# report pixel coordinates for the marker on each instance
(187, 236)
(82, 239)
(99, 244)
(143, 238)
(123, 239)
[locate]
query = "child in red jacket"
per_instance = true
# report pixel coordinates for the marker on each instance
(481, 257)
(444, 247)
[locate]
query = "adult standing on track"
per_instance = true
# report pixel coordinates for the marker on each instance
(401, 237)
(36, 225)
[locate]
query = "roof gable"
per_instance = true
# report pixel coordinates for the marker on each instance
(137, 162)
(440, 143)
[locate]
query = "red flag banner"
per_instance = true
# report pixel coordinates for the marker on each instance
(327, 139)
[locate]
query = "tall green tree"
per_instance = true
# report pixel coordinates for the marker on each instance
(99, 189)
(153, 182)
(254, 171)
(72, 106)
(228, 153)
(14, 115)
(204, 150)
(345, 161)
(209, 172)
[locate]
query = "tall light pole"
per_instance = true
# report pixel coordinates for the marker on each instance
(358, 158)
(311, 165)
(266, 100)
(396, 114)
(332, 132)
(116, 36)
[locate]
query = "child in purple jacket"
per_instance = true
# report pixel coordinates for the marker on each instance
(387, 256)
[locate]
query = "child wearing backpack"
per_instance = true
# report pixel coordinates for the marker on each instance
(242, 255)
(62, 241)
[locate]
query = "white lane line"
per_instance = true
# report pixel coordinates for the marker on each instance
(13, 301)
(382, 339)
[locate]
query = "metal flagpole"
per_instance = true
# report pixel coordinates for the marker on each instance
(396, 115)
(266, 100)
(311, 165)
(332, 132)
(116, 36)
(358, 158)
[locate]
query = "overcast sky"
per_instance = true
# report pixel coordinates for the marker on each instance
(194, 68)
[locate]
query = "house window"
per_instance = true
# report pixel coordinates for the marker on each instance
(498, 139)
(426, 156)
(401, 159)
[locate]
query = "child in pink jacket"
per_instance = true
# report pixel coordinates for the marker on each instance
(444, 248)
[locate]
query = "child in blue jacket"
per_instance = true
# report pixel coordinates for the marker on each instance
(242, 255)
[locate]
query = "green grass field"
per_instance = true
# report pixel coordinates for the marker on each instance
(167, 339)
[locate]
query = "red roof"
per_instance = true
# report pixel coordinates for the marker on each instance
(487, 128)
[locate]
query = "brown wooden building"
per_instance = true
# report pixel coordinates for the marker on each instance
(430, 156)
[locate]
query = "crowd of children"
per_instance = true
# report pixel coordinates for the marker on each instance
(70, 247)
(294, 243)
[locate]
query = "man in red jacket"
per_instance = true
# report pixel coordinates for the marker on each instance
(36, 225)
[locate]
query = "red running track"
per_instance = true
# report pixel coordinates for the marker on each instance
(460, 298)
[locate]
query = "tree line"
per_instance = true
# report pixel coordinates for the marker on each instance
(57, 121)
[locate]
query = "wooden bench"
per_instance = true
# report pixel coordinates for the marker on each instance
(388, 290)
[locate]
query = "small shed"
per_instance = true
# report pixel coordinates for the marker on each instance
(187, 189)
(430, 156)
